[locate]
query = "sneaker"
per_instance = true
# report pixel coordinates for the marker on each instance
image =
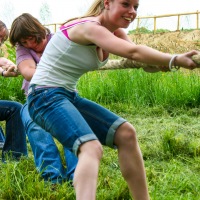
(1, 145)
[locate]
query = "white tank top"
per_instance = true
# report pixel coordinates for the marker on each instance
(64, 62)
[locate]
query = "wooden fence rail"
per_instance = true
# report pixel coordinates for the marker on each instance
(55, 26)
(169, 15)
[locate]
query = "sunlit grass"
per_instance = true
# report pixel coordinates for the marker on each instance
(138, 88)
(170, 145)
(164, 109)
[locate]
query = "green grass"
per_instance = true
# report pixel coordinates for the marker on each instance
(170, 144)
(163, 107)
(11, 89)
(138, 88)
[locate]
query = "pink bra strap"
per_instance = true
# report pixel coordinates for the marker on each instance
(64, 28)
(74, 24)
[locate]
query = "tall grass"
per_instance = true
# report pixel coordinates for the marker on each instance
(11, 89)
(138, 88)
(131, 87)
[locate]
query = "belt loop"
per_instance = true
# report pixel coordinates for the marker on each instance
(31, 88)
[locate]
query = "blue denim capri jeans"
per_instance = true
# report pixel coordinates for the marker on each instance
(71, 119)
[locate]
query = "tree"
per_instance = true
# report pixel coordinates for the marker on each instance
(7, 12)
(45, 13)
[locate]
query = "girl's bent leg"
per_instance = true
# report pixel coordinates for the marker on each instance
(15, 141)
(131, 161)
(86, 173)
(46, 154)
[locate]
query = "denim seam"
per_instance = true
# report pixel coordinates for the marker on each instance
(82, 140)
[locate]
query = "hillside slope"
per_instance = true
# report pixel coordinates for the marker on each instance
(170, 42)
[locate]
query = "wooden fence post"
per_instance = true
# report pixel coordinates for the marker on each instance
(178, 23)
(154, 30)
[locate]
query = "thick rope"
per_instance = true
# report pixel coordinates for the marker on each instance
(126, 63)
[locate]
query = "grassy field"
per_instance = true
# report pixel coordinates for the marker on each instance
(163, 107)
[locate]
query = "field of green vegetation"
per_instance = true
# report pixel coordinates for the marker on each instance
(165, 110)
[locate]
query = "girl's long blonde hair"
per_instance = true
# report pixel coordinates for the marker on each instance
(95, 9)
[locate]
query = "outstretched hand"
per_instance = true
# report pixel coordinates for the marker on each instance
(8, 68)
(196, 59)
(189, 60)
(10, 71)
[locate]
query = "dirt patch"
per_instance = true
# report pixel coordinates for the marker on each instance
(171, 42)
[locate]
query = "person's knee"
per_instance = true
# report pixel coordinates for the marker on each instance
(125, 134)
(92, 148)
